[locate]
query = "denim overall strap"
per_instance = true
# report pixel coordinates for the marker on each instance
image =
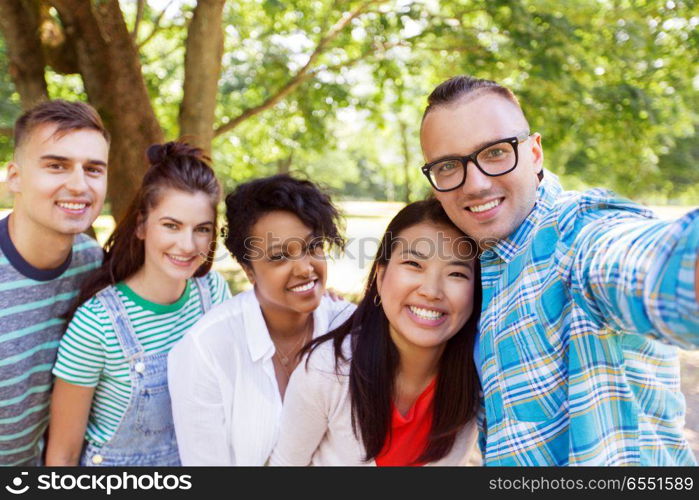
(204, 293)
(145, 435)
(123, 328)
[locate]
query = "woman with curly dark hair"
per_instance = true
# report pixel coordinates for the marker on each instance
(110, 403)
(229, 374)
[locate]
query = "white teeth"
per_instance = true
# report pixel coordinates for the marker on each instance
(179, 259)
(303, 288)
(72, 206)
(485, 206)
(425, 313)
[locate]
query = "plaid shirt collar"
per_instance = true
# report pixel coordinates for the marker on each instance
(508, 248)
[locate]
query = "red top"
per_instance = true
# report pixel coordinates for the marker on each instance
(409, 432)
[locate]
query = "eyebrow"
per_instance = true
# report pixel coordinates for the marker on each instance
(309, 236)
(167, 217)
(66, 159)
(459, 263)
(417, 254)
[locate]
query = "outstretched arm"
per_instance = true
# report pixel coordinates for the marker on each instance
(639, 275)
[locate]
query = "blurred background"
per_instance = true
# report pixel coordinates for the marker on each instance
(334, 90)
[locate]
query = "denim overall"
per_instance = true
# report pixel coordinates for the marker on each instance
(146, 434)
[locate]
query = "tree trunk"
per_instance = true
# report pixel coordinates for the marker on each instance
(111, 70)
(202, 69)
(406, 159)
(19, 22)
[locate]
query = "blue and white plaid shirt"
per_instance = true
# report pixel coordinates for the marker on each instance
(580, 305)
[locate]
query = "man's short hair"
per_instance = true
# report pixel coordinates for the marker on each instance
(66, 115)
(459, 87)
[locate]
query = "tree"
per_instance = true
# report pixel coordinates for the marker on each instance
(260, 84)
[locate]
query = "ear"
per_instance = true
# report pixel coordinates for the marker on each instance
(249, 272)
(140, 228)
(380, 272)
(537, 152)
(14, 179)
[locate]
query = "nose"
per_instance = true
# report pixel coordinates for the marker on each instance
(303, 267)
(76, 181)
(431, 287)
(476, 181)
(186, 242)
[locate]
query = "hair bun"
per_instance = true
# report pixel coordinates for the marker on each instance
(156, 153)
(160, 153)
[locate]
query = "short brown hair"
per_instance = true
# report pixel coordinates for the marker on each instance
(65, 115)
(460, 86)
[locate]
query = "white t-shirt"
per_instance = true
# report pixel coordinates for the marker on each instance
(225, 398)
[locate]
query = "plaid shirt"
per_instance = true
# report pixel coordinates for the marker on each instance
(580, 306)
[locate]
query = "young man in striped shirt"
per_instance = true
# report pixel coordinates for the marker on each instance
(585, 295)
(58, 176)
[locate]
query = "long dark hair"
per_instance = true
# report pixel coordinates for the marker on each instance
(374, 357)
(173, 165)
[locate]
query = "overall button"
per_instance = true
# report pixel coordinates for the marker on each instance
(97, 459)
(140, 367)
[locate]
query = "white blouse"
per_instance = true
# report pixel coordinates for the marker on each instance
(225, 398)
(317, 418)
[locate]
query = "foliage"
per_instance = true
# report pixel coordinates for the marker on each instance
(610, 84)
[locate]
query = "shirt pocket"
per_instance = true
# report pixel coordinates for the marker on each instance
(532, 371)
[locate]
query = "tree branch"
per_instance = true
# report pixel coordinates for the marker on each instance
(7, 131)
(140, 7)
(156, 26)
(303, 74)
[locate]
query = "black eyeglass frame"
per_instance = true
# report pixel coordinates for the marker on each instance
(513, 141)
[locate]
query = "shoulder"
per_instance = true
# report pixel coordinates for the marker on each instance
(220, 324)
(214, 280)
(323, 362)
(86, 251)
(576, 209)
(336, 311)
(90, 319)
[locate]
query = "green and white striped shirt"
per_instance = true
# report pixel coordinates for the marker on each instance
(90, 355)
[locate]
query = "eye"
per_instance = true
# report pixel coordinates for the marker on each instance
(412, 263)
(277, 257)
(494, 153)
(316, 246)
(204, 229)
(458, 274)
(446, 167)
(170, 225)
(55, 166)
(94, 170)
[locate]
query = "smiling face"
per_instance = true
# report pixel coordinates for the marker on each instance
(486, 208)
(59, 182)
(426, 288)
(177, 234)
(287, 264)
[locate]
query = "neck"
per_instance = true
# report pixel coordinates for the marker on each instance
(42, 249)
(154, 286)
(417, 366)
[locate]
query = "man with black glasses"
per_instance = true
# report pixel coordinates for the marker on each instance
(584, 294)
